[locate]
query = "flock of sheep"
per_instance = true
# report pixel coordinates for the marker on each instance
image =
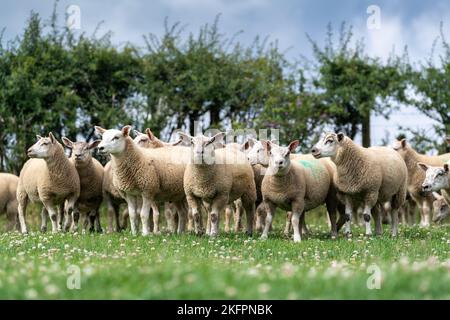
(200, 174)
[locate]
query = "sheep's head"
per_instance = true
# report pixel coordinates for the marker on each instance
(279, 157)
(43, 148)
(203, 147)
(328, 145)
(256, 153)
(81, 151)
(401, 146)
(441, 208)
(113, 141)
(436, 178)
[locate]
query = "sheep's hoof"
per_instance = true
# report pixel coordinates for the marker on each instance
(348, 235)
(334, 236)
(263, 237)
(248, 233)
(297, 240)
(43, 229)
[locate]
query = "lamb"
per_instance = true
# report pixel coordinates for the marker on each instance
(291, 186)
(8, 200)
(113, 201)
(147, 174)
(148, 140)
(50, 178)
(260, 159)
(217, 176)
(441, 207)
(416, 176)
(90, 172)
(437, 179)
(365, 177)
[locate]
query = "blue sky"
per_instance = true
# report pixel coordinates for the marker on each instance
(412, 23)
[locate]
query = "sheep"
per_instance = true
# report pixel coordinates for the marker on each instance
(217, 176)
(8, 200)
(290, 185)
(260, 159)
(148, 140)
(416, 176)
(148, 174)
(441, 207)
(113, 201)
(366, 178)
(437, 179)
(90, 171)
(50, 178)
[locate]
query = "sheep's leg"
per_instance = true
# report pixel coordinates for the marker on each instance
(367, 216)
(170, 217)
(148, 203)
(394, 222)
(270, 211)
(44, 219)
(249, 207)
(217, 207)
(377, 217)
(348, 217)
(131, 202)
(287, 227)
(238, 214)
(228, 218)
(304, 228)
(426, 209)
(125, 218)
(12, 216)
(297, 213)
(190, 224)
(194, 206)
(208, 219)
(182, 213)
(74, 212)
(53, 213)
(22, 209)
(260, 217)
(112, 213)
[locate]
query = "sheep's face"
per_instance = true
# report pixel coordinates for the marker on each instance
(441, 210)
(279, 157)
(81, 151)
(436, 178)
(143, 141)
(328, 145)
(257, 154)
(203, 147)
(113, 141)
(43, 148)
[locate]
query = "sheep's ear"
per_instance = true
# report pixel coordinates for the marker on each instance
(67, 142)
(52, 137)
(448, 140)
(173, 144)
(293, 145)
(446, 167)
(340, 136)
(267, 145)
(274, 141)
(150, 134)
(38, 137)
(126, 131)
(94, 144)
(403, 143)
(437, 196)
(185, 137)
(422, 166)
(136, 133)
(99, 130)
(217, 138)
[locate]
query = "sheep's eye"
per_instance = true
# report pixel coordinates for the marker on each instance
(45, 143)
(115, 138)
(328, 141)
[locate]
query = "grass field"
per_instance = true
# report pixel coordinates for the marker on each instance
(416, 265)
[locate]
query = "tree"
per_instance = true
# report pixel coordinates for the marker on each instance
(353, 86)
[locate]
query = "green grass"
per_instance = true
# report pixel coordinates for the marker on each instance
(416, 265)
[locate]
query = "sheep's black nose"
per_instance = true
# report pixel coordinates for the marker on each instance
(426, 187)
(101, 148)
(314, 150)
(280, 162)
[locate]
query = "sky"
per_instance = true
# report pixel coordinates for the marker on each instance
(410, 23)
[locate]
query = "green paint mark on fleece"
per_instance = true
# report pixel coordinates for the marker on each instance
(313, 165)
